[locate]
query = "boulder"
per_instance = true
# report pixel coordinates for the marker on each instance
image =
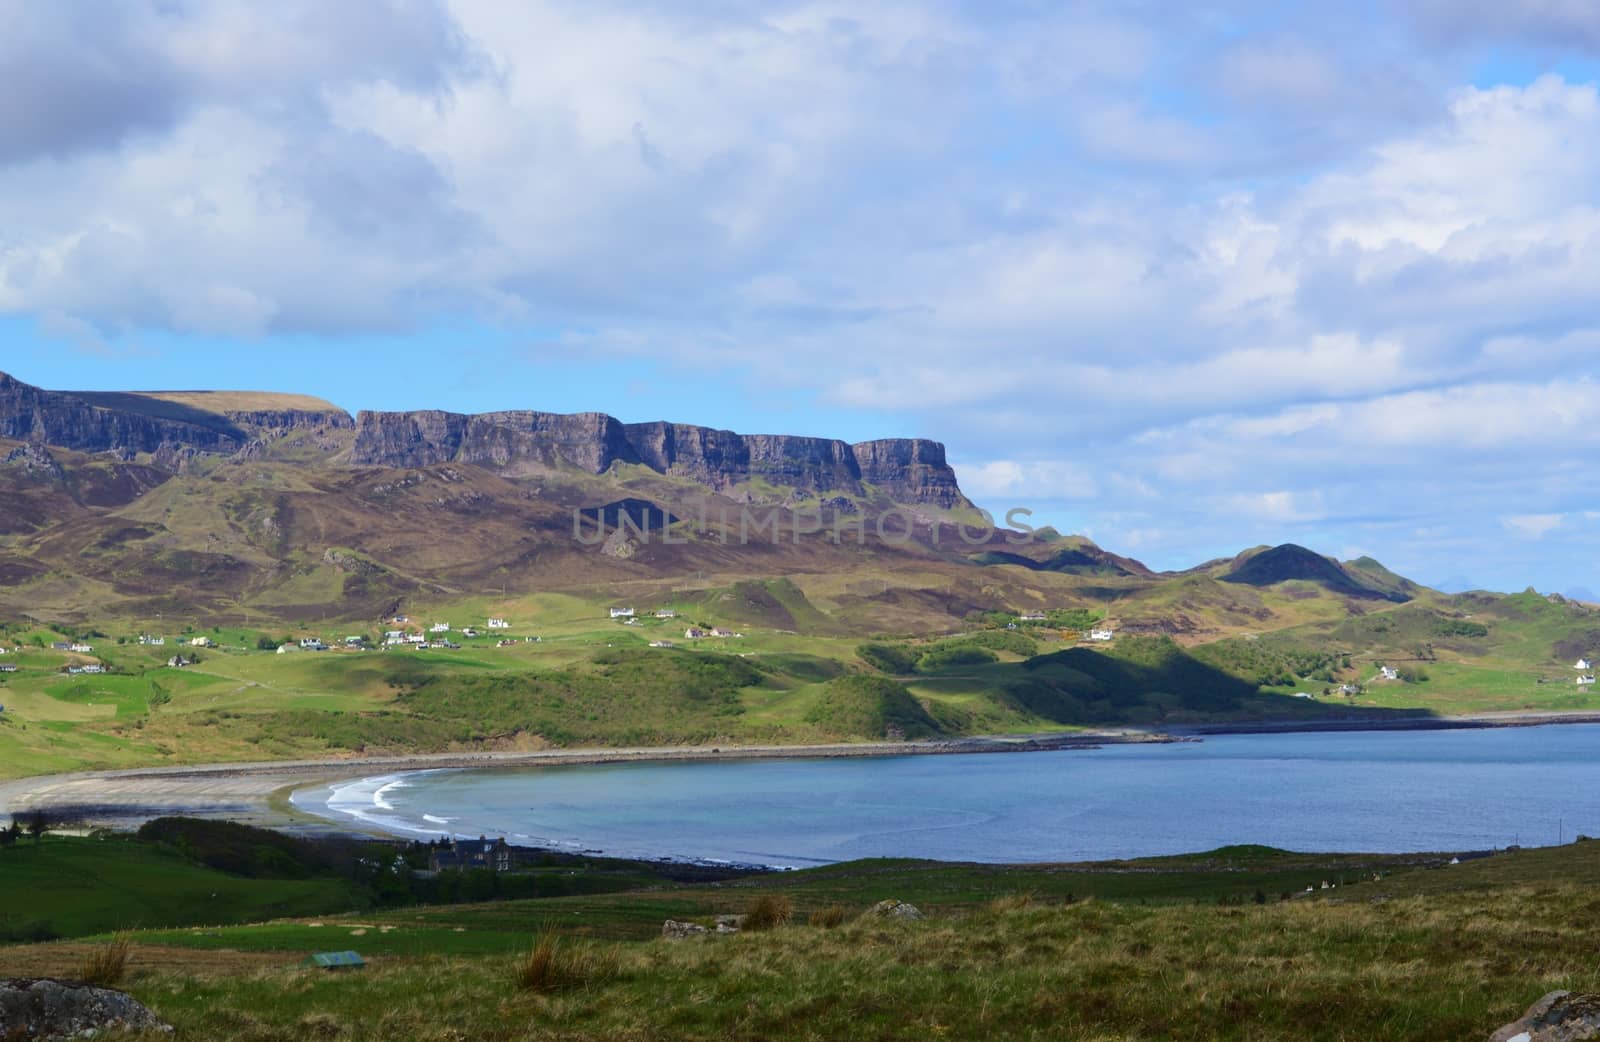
(66, 1009)
(730, 923)
(1560, 1016)
(673, 930)
(894, 910)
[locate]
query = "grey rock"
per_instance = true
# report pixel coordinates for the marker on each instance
(673, 930)
(519, 443)
(894, 910)
(41, 1009)
(1560, 1016)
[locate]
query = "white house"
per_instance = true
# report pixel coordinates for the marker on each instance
(8, 668)
(202, 642)
(285, 649)
(622, 613)
(666, 613)
(499, 624)
(83, 649)
(1389, 673)
(1033, 616)
(439, 627)
(1302, 694)
(313, 644)
(1583, 665)
(469, 632)
(1101, 634)
(1586, 681)
(719, 631)
(94, 669)
(693, 633)
(653, 644)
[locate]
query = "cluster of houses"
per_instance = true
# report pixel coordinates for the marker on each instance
(696, 633)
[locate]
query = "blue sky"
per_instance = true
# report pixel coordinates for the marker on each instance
(1187, 279)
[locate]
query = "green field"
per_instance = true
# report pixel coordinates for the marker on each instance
(591, 681)
(1226, 945)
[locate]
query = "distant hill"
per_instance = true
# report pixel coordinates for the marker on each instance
(1365, 578)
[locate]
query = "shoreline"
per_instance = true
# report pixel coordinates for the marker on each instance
(259, 793)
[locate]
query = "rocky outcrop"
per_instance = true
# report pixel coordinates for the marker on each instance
(131, 423)
(905, 470)
(1560, 1016)
(909, 470)
(62, 1009)
(673, 930)
(893, 909)
(175, 427)
(497, 440)
(83, 423)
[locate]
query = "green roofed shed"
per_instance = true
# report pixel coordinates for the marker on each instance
(336, 961)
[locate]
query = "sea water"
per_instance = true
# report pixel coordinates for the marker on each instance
(1362, 791)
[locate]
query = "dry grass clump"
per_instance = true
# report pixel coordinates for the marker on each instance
(768, 912)
(1012, 902)
(107, 964)
(828, 917)
(551, 965)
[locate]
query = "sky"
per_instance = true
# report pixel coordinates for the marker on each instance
(1183, 278)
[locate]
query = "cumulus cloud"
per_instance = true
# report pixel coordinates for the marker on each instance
(1196, 283)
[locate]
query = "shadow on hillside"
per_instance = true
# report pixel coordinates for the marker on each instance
(1158, 683)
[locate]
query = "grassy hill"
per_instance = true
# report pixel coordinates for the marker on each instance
(1239, 943)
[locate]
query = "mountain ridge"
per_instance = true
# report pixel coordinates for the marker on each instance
(512, 443)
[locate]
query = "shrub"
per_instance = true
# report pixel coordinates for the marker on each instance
(768, 912)
(828, 917)
(551, 966)
(948, 657)
(106, 965)
(888, 658)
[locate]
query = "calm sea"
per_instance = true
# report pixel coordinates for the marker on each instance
(1377, 791)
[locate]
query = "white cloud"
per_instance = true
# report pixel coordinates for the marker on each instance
(1196, 282)
(1535, 526)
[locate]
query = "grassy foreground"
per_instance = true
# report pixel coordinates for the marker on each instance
(1199, 947)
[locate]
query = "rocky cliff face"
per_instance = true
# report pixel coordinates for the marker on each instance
(31, 414)
(131, 423)
(173, 427)
(906, 470)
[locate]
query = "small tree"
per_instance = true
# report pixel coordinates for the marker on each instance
(38, 825)
(9, 835)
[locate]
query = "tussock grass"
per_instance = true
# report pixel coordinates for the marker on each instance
(768, 912)
(107, 964)
(1012, 902)
(1399, 970)
(554, 964)
(828, 917)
